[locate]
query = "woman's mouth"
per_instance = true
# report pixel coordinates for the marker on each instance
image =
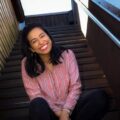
(44, 47)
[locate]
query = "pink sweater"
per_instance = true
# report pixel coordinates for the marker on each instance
(60, 88)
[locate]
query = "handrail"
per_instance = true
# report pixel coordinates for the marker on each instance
(113, 37)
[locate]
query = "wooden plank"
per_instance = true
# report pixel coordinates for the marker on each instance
(115, 115)
(14, 103)
(8, 30)
(14, 114)
(10, 83)
(12, 93)
(95, 83)
(50, 20)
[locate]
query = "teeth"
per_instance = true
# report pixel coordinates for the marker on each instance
(44, 47)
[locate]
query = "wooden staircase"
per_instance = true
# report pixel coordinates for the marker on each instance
(13, 99)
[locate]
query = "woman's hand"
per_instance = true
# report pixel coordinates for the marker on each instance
(64, 115)
(58, 113)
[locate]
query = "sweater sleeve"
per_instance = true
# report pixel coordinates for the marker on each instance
(75, 83)
(30, 85)
(32, 88)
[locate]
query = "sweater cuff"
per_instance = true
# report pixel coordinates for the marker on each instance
(68, 110)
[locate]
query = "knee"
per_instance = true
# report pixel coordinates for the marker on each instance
(38, 103)
(100, 99)
(38, 100)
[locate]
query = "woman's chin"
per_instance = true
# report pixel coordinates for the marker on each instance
(45, 52)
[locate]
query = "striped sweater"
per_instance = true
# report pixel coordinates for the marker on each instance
(60, 87)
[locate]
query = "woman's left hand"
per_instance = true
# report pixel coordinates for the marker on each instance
(58, 113)
(64, 115)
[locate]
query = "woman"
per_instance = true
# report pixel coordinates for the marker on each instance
(51, 79)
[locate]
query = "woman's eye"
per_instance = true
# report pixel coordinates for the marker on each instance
(34, 41)
(41, 36)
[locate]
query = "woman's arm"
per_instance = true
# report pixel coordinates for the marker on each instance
(75, 83)
(32, 88)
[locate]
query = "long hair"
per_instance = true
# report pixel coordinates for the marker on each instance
(33, 59)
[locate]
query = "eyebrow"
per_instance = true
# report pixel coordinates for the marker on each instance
(42, 33)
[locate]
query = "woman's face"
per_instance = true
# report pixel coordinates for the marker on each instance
(39, 41)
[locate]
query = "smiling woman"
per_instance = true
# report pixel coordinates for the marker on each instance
(51, 79)
(45, 6)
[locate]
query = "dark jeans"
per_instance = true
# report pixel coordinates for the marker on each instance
(92, 105)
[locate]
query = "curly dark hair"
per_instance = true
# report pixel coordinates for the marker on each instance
(33, 59)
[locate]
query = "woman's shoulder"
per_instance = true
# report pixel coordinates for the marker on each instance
(68, 52)
(23, 60)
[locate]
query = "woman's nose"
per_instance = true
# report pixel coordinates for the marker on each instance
(41, 41)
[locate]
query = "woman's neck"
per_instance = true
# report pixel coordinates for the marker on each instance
(45, 58)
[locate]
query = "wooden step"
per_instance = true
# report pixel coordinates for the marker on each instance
(20, 102)
(72, 41)
(91, 74)
(13, 63)
(65, 32)
(61, 28)
(23, 102)
(85, 67)
(66, 35)
(76, 50)
(113, 115)
(84, 75)
(88, 60)
(12, 69)
(81, 61)
(14, 114)
(12, 93)
(78, 55)
(89, 67)
(65, 43)
(10, 83)
(95, 83)
(9, 76)
(59, 39)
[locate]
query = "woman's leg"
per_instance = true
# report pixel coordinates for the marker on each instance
(92, 105)
(40, 110)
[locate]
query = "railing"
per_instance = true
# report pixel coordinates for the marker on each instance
(109, 8)
(8, 30)
(98, 23)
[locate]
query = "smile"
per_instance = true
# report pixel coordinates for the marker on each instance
(44, 47)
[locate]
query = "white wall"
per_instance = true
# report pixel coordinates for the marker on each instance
(34, 7)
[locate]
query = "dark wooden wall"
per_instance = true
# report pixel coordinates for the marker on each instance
(106, 51)
(19, 12)
(108, 20)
